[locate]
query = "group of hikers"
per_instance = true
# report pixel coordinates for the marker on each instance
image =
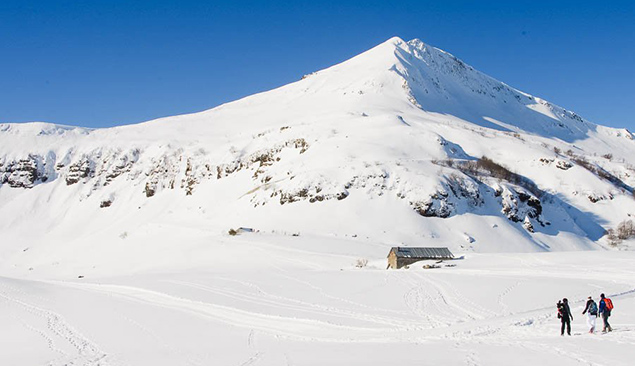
(592, 310)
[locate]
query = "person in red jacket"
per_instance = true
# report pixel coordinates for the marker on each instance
(606, 305)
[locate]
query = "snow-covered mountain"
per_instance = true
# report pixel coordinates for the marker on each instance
(402, 144)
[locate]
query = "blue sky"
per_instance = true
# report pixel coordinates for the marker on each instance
(105, 63)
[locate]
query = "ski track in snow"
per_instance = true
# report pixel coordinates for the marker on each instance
(300, 328)
(286, 303)
(87, 352)
(442, 313)
(251, 345)
(504, 307)
(252, 360)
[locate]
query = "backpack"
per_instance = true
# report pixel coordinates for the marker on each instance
(593, 308)
(608, 303)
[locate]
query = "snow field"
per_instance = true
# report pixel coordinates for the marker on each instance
(310, 305)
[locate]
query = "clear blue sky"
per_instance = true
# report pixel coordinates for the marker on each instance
(104, 63)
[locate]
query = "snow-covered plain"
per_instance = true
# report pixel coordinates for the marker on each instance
(114, 245)
(301, 301)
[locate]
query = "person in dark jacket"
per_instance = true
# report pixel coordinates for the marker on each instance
(564, 312)
(605, 312)
(591, 309)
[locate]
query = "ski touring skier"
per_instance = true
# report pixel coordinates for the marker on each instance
(564, 313)
(606, 306)
(591, 309)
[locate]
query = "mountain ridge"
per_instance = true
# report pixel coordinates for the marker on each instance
(401, 49)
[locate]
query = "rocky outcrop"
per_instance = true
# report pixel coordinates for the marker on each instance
(118, 163)
(260, 159)
(564, 165)
(528, 225)
(456, 191)
(438, 205)
(80, 170)
(24, 173)
(517, 204)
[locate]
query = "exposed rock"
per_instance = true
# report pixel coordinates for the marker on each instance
(262, 158)
(79, 170)
(437, 206)
(528, 225)
(457, 190)
(150, 189)
(564, 165)
(516, 205)
(594, 197)
(290, 197)
(23, 173)
(116, 165)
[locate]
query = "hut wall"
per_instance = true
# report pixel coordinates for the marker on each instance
(392, 260)
(407, 261)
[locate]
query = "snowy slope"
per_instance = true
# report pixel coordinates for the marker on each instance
(381, 146)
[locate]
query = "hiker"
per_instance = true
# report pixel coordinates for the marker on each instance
(564, 313)
(592, 309)
(606, 305)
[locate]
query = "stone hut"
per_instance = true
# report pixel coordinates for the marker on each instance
(404, 256)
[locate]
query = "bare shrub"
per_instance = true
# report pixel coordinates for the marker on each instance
(612, 237)
(608, 156)
(583, 162)
(487, 167)
(625, 230)
(361, 262)
(557, 150)
(599, 171)
(232, 232)
(497, 170)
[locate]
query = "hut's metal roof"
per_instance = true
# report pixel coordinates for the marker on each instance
(431, 253)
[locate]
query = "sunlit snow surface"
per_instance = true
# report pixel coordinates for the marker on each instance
(114, 245)
(301, 301)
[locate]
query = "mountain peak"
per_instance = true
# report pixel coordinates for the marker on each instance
(436, 81)
(395, 41)
(375, 145)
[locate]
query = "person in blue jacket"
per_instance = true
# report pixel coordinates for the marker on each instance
(606, 305)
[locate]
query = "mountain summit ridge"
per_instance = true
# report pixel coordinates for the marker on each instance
(435, 81)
